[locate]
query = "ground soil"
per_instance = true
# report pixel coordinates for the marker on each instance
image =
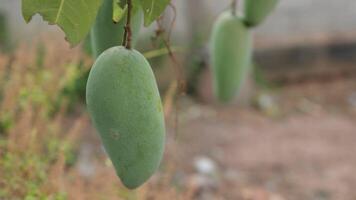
(303, 149)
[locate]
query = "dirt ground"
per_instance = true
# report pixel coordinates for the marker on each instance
(301, 144)
(304, 149)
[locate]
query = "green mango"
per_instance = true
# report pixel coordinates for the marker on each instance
(257, 10)
(231, 47)
(125, 106)
(105, 33)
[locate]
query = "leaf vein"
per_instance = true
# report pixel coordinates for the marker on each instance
(59, 10)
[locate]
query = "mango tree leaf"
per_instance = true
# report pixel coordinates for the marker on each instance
(118, 12)
(136, 4)
(74, 17)
(153, 9)
(120, 9)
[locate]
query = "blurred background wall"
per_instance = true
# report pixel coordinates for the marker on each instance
(18, 29)
(299, 35)
(293, 19)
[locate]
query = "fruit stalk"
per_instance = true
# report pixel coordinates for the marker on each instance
(128, 33)
(106, 34)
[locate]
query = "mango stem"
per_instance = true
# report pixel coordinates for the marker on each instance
(128, 33)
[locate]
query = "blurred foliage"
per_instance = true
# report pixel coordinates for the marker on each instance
(35, 98)
(87, 45)
(4, 35)
(195, 68)
(259, 77)
(42, 91)
(74, 86)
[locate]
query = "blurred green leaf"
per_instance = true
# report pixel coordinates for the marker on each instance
(74, 17)
(118, 12)
(153, 9)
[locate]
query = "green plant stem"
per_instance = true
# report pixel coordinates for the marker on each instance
(161, 52)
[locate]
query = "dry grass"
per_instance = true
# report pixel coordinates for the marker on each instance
(40, 140)
(36, 138)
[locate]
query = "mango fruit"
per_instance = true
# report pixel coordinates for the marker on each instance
(257, 10)
(231, 47)
(105, 33)
(125, 106)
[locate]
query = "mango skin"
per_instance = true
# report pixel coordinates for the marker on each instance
(106, 34)
(125, 106)
(231, 49)
(256, 11)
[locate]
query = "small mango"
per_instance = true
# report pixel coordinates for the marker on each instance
(231, 47)
(257, 10)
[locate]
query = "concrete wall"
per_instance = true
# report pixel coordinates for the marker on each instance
(19, 29)
(292, 18)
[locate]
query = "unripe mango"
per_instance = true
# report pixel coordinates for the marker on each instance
(125, 106)
(106, 34)
(231, 47)
(257, 10)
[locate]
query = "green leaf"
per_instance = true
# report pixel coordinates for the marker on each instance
(120, 9)
(136, 4)
(74, 17)
(118, 12)
(153, 9)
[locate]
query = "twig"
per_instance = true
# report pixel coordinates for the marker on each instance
(128, 34)
(174, 9)
(180, 85)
